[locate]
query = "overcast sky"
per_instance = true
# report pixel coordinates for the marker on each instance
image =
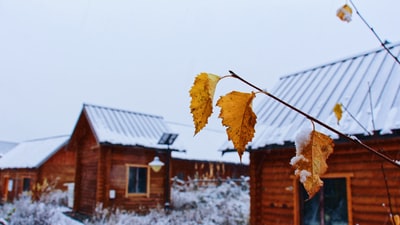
(143, 56)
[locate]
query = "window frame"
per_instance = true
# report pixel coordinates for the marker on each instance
(296, 195)
(144, 194)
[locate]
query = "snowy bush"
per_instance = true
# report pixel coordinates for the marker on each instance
(225, 204)
(192, 204)
(56, 197)
(25, 211)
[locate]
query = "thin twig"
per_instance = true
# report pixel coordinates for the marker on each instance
(388, 194)
(358, 122)
(354, 140)
(376, 35)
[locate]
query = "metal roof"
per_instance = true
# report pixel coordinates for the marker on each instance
(122, 127)
(5, 146)
(368, 86)
(32, 154)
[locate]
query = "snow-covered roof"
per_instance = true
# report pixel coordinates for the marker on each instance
(205, 145)
(5, 146)
(32, 154)
(123, 127)
(368, 86)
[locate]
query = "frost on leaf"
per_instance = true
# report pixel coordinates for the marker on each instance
(344, 13)
(202, 94)
(312, 151)
(338, 111)
(238, 116)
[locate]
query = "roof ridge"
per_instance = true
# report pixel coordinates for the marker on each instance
(45, 138)
(9, 142)
(121, 110)
(363, 54)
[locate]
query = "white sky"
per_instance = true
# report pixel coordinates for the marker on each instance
(143, 55)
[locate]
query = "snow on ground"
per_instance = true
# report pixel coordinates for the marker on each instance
(224, 204)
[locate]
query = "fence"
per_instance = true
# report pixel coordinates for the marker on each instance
(193, 184)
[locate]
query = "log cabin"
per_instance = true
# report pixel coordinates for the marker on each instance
(32, 162)
(359, 187)
(114, 148)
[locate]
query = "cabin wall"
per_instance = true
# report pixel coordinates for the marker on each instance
(368, 181)
(59, 169)
(189, 169)
(87, 156)
(116, 160)
(270, 175)
(9, 191)
(274, 195)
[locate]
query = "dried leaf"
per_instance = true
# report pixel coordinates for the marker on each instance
(202, 94)
(338, 111)
(310, 161)
(396, 220)
(344, 13)
(237, 114)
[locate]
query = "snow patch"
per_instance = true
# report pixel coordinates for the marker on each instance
(302, 139)
(303, 175)
(297, 158)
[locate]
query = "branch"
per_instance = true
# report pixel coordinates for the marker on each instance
(358, 122)
(354, 140)
(388, 194)
(376, 35)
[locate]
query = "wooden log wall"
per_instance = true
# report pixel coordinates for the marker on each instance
(84, 143)
(17, 175)
(116, 162)
(274, 192)
(57, 170)
(60, 169)
(185, 169)
(270, 200)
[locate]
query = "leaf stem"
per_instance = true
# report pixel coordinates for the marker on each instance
(354, 140)
(376, 35)
(225, 76)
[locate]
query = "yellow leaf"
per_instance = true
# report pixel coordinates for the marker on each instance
(237, 114)
(310, 160)
(344, 13)
(338, 111)
(202, 94)
(396, 220)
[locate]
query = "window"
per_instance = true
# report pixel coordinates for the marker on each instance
(26, 184)
(137, 180)
(328, 206)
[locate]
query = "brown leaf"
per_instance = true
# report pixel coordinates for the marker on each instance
(237, 114)
(202, 94)
(310, 160)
